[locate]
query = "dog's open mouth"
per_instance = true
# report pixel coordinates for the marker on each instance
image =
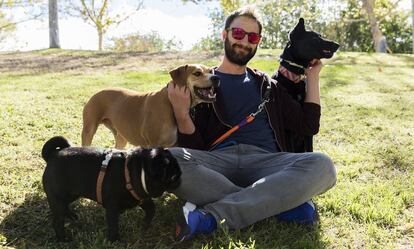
(206, 94)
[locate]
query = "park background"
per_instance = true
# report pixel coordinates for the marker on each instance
(56, 54)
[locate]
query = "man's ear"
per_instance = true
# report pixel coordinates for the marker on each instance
(179, 75)
(298, 30)
(224, 34)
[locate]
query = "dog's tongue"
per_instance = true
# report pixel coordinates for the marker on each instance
(207, 92)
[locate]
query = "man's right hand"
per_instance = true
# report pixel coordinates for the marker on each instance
(180, 99)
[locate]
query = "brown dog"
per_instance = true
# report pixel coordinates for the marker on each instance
(145, 119)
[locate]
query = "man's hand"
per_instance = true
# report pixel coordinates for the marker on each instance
(314, 69)
(312, 76)
(180, 100)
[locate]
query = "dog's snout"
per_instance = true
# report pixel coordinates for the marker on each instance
(216, 80)
(335, 46)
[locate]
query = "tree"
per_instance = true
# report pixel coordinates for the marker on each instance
(6, 26)
(217, 16)
(338, 20)
(196, 1)
(53, 25)
(151, 42)
(354, 29)
(8, 22)
(369, 5)
(97, 14)
(382, 14)
(412, 19)
(279, 17)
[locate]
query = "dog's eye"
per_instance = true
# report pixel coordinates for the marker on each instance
(197, 74)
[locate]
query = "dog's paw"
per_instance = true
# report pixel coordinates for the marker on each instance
(113, 237)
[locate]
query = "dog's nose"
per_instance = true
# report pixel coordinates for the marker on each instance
(335, 46)
(216, 80)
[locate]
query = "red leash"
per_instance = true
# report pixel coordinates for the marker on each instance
(245, 121)
(242, 123)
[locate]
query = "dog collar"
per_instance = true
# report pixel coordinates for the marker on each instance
(144, 185)
(293, 64)
(291, 76)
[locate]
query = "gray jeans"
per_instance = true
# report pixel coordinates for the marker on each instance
(243, 184)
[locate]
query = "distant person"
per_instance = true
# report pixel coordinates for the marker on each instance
(249, 176)
(383, 46)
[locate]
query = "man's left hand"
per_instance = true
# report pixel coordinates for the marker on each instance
(314, 68)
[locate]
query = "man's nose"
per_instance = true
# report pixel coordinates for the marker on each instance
(245, 40)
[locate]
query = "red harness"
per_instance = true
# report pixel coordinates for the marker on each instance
(101, 177)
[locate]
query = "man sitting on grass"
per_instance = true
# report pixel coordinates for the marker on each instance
(248, 176)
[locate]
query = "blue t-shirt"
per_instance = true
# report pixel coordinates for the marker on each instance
(240, 95)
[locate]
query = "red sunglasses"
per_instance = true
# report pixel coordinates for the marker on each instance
(239, 34)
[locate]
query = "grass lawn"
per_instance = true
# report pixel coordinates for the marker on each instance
(367, 128)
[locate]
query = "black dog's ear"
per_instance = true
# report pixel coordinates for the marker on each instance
(298, 30)
(179, 75)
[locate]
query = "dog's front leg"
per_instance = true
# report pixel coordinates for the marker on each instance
(112, 221)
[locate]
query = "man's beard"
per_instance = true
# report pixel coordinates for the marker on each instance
(239, 59)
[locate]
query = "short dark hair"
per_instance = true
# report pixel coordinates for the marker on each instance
(247, 11)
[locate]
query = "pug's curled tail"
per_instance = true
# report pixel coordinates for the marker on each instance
(54, 145)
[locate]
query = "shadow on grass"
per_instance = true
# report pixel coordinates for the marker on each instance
(268, 233)
(29, 226)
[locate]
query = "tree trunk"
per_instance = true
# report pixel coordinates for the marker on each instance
(53, 25)
(369, 5)
(100, 36)
(412, 12)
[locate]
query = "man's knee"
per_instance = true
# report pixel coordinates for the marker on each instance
(181, 154)
(325, 165)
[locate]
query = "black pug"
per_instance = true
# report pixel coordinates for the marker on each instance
(72, 172)
(302, 48)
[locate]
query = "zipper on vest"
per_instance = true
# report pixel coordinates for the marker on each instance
(267, 113)
(219, 117)
(273, 129)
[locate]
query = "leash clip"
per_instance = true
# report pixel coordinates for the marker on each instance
(107, 159)
(259, 108)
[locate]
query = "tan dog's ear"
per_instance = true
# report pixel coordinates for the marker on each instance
(179, 75)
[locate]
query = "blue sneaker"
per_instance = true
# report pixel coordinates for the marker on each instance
(193, 221)
(305, 214)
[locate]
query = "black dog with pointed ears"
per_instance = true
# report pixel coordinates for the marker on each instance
(119, 180)
(302, 48)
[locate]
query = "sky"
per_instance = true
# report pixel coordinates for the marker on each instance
(187, 23)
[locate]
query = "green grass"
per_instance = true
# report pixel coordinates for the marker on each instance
(367, 127)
